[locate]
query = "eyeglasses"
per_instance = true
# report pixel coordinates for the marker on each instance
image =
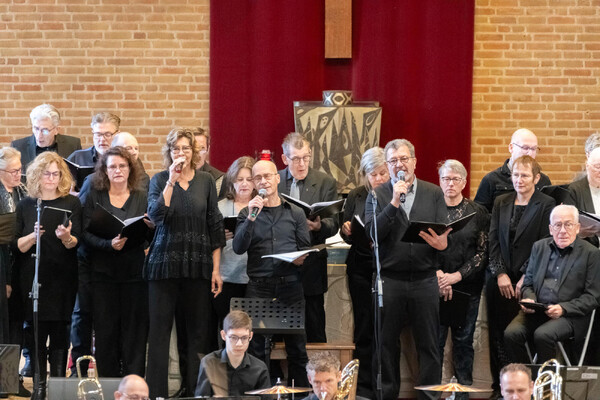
(48, 174)
(259, 178)
(296, 160)
(395, 161)
(526, 149)
(45, 131)
(203, 151)
(235, 339)
(120, 167)
(13, 172)
(182, 149)
(559, 225)
(105, 135)
(455, 180)
(134, 396)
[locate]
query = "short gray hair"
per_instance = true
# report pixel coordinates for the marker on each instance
(454, 166)
(371, 159)
(592, 142)
(295, 140)
(324, 361)
(397, 143)
(573, 210)
(7, 154)
(106, 117)
(45, 111)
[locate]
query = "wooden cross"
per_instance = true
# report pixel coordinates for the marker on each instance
(338, 28)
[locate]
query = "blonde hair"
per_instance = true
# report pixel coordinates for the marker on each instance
(37, 168)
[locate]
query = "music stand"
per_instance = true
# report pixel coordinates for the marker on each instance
(271, 317)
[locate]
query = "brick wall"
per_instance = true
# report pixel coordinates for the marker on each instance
(145, 60)
(537, 66)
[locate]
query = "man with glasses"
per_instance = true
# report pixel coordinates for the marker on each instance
(232, 371)
(410, 285)
(310, 186)
(45, 127)
(203, 144)
(523, 142)
(132, 387)
(270, 225)
(564, 275)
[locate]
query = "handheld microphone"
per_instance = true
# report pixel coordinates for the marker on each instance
(400, 177)
(179, 167)
(262, 193)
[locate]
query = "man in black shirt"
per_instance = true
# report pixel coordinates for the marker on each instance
(523, 142)
(232, 371)
(203, 143)
(277, 227)
(564, 274)
(45, 127)
(104, 126)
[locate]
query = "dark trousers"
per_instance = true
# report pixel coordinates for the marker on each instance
(81, 319)
(416, 304)
(462, 345)
(56, 353)
(360, 288)
(314, 318)
(538, 329)
(501, 312)
(295, 345)
(163, 298)
(121, 315)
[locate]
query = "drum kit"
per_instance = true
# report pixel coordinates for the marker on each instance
(452, 387)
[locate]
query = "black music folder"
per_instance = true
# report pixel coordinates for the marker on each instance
(79, 172)
(230, 223)
(412, 233)
(321, 209)
(54, 216)
(107, 226)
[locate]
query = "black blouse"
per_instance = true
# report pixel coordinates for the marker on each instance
(187, 232)
(107, 263)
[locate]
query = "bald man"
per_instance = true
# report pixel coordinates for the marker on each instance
(523, 142)
(132, 387)
(276, 227)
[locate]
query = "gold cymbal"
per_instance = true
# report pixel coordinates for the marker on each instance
(451, 387)
(280, 389)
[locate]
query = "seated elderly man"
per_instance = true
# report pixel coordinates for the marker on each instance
(564, 275)
(132, 387)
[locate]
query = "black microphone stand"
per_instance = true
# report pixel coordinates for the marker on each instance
(378, 299)
(35, 297)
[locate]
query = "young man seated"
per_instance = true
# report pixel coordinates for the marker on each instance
(231, 371)
(324, 375)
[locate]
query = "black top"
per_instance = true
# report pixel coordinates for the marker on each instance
(58, 265)
(499, 182)
(85, 158)
(467, 251)
(548, 293)
(280, 229)
(64, 145)
(403, 260)
(109, 264)
(218, 378)
(143, 183)
(360, 257)
(187, 232)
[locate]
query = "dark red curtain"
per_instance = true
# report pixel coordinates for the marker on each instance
(414, 57)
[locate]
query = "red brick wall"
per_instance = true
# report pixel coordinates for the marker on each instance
(147, 61)
(537, 66)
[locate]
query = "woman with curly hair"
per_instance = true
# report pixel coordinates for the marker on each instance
(49, 180)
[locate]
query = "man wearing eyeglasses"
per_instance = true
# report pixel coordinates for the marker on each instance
(45, 128)
(104, 126)
(203, 143)
(310, 186)
(410, 285)
(564, 275)
(271, 225)
(523, 142)
(232, 371)
(132, 387)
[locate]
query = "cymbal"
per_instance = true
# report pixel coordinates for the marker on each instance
(451, 387)
(280, 389)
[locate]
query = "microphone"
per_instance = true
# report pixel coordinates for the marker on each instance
(400, 177)
(262, 193)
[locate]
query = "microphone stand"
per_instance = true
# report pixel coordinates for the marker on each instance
(378, 297)
(35, 296)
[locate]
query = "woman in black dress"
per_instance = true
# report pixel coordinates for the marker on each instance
(183, 261)
(49, 179)
(359, 263)
(120, 295)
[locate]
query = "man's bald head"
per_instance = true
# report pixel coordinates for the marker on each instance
(132, 386)
(127, 140)
(265, 165)
(265, 176)
(523, 142)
